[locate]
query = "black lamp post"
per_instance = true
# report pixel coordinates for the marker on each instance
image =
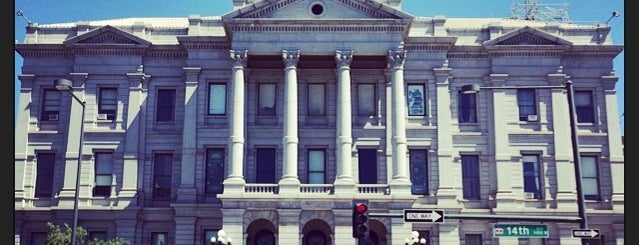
(583, 221)
(66, 85)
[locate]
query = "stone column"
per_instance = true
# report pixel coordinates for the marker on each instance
(344, 182)
(288, 227)
(234, 182)
(290, 182)
(446, 194)
(133, 123)
(400, 184)
(22, 136)
(67, 194)
(186, 192)
(565, 171)
(615, 146)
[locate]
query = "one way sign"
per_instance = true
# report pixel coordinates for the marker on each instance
(586, 233)
(423, 215)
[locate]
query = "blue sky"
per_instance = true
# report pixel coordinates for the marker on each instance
(58, 11)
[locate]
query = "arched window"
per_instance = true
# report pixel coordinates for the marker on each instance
(315, 237)
(264, 237)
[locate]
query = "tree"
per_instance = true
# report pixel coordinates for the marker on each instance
(58, 237)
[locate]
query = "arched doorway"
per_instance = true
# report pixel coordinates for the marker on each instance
(261, 232)
(316, 232)
(264, 237)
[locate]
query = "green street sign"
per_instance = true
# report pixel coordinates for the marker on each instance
(520, 230)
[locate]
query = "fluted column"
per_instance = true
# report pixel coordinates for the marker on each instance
(290, 141)
(67, 194)
(22, 135)
(186, 190)
(132, 144)
(344, 182)
(234, 182)
(400, 182)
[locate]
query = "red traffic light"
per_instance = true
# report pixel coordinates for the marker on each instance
(361, 208)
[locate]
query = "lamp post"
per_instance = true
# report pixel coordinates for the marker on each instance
(414, 239)
(66, 85)
(222, 239)
(583, 221)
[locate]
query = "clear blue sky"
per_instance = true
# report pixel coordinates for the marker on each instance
(58, 11)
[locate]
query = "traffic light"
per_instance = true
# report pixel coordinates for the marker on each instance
(360, 220)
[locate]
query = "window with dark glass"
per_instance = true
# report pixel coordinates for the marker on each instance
(532, 178)
(470, 176)
(50, 105)
(416, 101)
(474, 239)
(108, 102)
(103, 174)
(584, 107)
(96, 235)
(265, 165)
(316, 166)
(316, 99)
(217, 99)
(165, 105)
(266, 99)
(162, 175)
(366, 99)
(367, 163)
(264, 237)
(159, 238)
(44, 174)
(316, 237)
(38, 238)
(527, 103)
(590, 177)
(418, 162)
(214, 171)
(208, 234)
(467, 108)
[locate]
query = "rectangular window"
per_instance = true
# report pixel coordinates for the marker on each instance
(159, 238)
(214, 171)
(108, 102)
(266, 100)
(165, 105)
(103, 174)
(418, 162)
(162, 175)
(96, 235)
(527, 103)
(217, 99)
(470, 176)
(473, 239)
(366, 99)
(415, 97)
(208, 234)
(584, 107)
(38, 238)
(367, 163)
(50, 105)
(265, 165)
(316, 100)
(44, 175)
(316, 166)
(532, 178)
(590, 177)
(467, 108)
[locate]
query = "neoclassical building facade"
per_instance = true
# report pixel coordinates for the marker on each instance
(269, 121)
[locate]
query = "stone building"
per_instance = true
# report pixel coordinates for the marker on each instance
(270, 121)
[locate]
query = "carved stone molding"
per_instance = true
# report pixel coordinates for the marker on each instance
(396, 58)
(291, 57)
(343, 58)
(239, 58)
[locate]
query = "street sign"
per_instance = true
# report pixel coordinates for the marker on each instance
(586, 233)
(520, 230)
(423, 215)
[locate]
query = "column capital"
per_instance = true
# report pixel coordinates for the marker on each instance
(343, 58)
(291, 57)
(396, 58)
(239, 57)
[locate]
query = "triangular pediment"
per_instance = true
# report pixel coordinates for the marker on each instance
(317, 9)
(527, 36)
(107, 36)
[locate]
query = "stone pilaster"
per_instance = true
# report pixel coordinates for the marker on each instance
(288, 226)
(400, 183)
(234, 182)
(343, 226)
(185, 230)
(127, 195)
(233, 224)
(22, 135)
(290, 141)
(344, 182)
(449, 233)
(615, 146)
(446, 194)
(186, 192)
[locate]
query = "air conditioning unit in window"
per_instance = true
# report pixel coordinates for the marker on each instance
(102, 116)
(529, 195)
(533, 118)
(53, 117)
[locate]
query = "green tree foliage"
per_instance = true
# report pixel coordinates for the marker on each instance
(57, 236)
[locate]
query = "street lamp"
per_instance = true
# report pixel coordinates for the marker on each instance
(583, 221)
(414, 239)
(66, 85)
(222, 239)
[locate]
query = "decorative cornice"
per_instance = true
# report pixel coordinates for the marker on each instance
(166, 54)
(427, 47)
(317, 28)
(108, 52)
(46, 53)
(526, 53)
(270, 9)
(366, 9)
(466, 55)
(208, 46)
